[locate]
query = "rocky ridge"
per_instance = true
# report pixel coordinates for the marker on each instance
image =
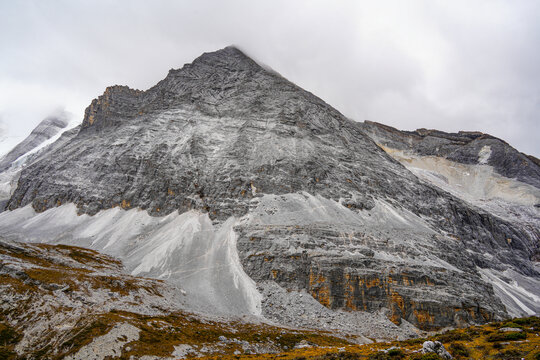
(480, 169)
(12, 162)
(464, 147)
(46, 129)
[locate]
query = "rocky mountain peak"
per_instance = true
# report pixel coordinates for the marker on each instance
(278, 189)
(228, 58)
(116, 101)
(45, 130)
(211, 83)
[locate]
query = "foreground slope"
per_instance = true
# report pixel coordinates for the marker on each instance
(302, 199)
(64, 302)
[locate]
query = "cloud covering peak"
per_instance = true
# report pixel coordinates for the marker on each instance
(462, 65)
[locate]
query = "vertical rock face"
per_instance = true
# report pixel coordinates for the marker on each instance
(319, 206)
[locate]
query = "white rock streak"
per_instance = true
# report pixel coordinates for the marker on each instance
(185, 249)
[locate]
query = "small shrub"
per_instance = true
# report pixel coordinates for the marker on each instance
(529, 321)
(6, 354)
(8, 335)
(429, 356)
(458, 350)
(339, 356)
(392, 354)
(87, 334)
(41, 353)
(415, 341)
(473, 331)
(508, 336)
(510, 355)
(379, 356)
(396, 353)
(453, 335)
(512, 325)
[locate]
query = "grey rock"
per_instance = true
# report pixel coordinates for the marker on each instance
(437, 348)
(510, 329)
(303, 344)
(486, 173)
(463, 147)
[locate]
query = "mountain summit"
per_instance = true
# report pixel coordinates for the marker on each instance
(46, 129)
(258, 193)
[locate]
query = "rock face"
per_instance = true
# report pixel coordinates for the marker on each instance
(46, 129)
(485, 172)
(464, 147)
(467, 150)
(317, 205)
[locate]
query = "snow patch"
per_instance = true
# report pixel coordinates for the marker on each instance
(21, 160)
(484, 154)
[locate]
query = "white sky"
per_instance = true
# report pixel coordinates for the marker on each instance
(449, 65)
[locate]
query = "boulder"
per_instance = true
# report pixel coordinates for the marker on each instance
(437, 348)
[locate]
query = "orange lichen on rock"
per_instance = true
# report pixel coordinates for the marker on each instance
(319, 288)
(398, 307)
(423, 316)
(349, 293)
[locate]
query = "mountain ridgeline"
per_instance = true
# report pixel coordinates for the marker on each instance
(46, 129)
(309, 200)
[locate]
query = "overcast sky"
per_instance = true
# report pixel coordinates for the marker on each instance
(449, 65)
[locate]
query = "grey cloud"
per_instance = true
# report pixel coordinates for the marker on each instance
(462, 65)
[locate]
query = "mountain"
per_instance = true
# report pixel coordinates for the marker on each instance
(257, 198)
(481, 169)
(12, 162)
(46, 129)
